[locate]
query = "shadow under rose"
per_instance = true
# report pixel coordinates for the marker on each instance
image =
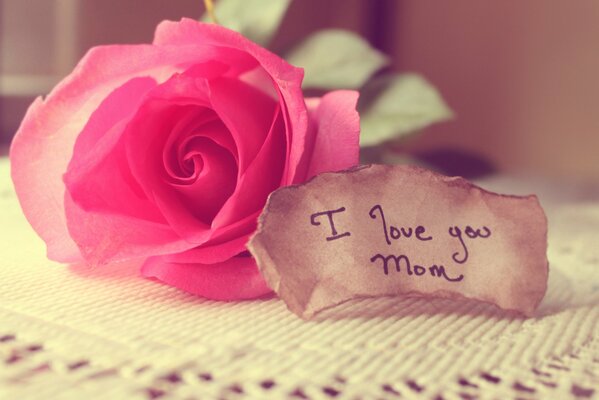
(126, 271)
(114, 271)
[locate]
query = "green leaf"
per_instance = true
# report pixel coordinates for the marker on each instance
(258, 20)
(336, 59)
(395, 105)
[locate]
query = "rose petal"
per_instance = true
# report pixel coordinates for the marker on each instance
(244, 226)
(211, 253)
(214, 183)
(97, 176)
(179, 146)
(235, 279)
(180, 98)
(262, 177)
(247, 112)
(335, 126)
(43, 144)
(175, 146)
(41, 196)
(107, 214)
(287, 78)
(120, 237)
(259, 79)
(144, 153)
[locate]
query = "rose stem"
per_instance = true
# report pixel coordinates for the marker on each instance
(210, 10)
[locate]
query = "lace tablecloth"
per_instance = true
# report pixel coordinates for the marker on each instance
(106, 333)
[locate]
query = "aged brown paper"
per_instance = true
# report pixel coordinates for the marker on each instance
(385, 230)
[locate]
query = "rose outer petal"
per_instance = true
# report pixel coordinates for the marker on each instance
(235, 279)
(43, 144)
(261, 177)
(97, 176)
(210, 253)
(333, 132)
(41, 193)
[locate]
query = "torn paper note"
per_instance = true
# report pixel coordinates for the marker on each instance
(385, 230)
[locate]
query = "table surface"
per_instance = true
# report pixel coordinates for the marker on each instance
(79, 332)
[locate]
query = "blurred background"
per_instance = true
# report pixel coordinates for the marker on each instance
(521, 77)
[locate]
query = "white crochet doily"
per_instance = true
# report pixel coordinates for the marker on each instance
(106, 333)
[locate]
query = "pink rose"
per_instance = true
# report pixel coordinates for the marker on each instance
(168, 151)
